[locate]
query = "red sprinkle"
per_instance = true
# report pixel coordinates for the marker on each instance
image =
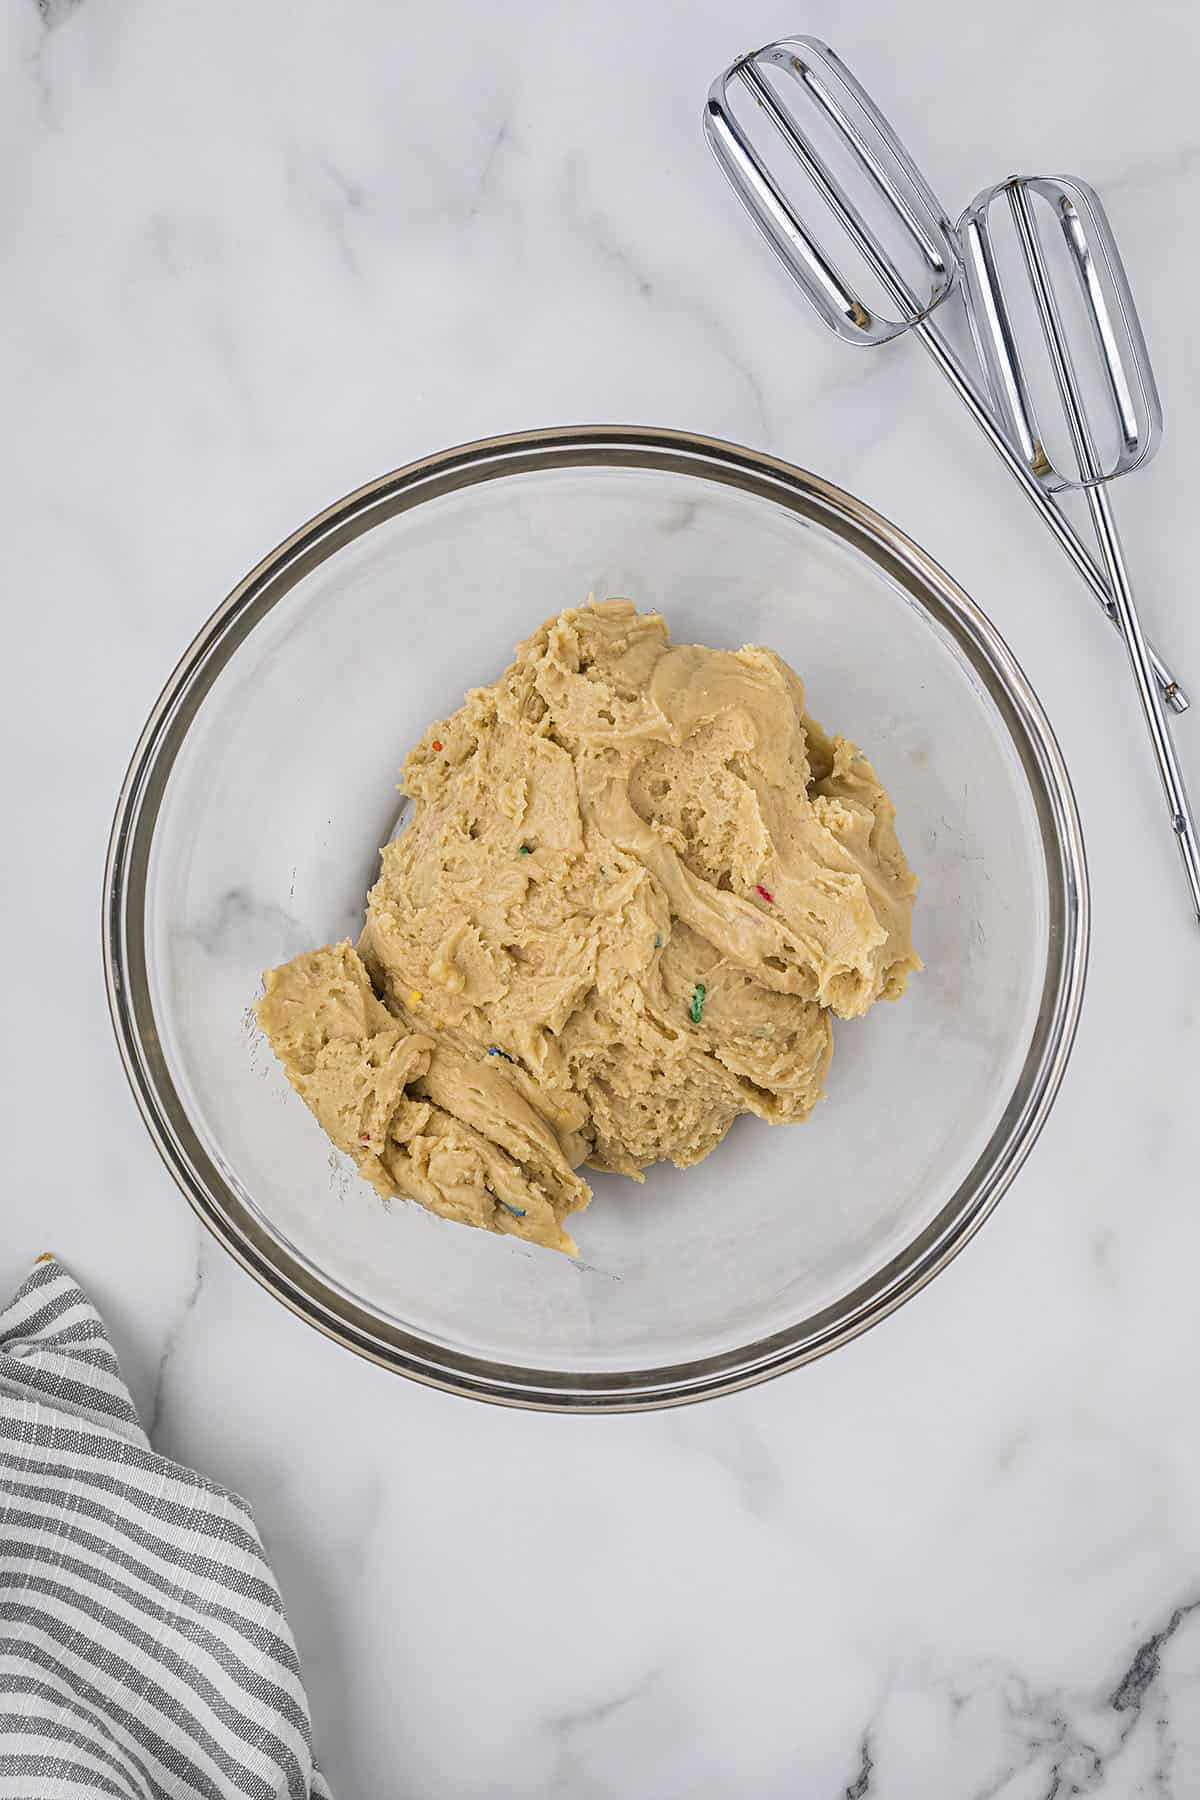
(769, 898)
(364, 1140)
(437, 743)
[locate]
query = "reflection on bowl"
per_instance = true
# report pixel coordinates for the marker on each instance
(249, 827)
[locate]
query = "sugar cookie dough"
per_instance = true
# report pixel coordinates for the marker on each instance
(637, 882)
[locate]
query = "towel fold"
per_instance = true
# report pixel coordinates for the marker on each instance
(144, 1651)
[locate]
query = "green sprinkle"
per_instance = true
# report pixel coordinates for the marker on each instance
(524, 850)
(696, 1010)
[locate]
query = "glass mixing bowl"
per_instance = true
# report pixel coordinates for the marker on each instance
(265, 781)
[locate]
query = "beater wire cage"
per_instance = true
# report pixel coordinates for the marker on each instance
(893, 228)
(1107, 426)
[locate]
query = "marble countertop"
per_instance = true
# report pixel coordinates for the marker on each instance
(259, 254)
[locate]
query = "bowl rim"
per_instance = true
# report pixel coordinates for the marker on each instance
(294, 1281)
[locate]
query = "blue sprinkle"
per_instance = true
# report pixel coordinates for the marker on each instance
(658, 940)
(516, 1211)
(496, 1051)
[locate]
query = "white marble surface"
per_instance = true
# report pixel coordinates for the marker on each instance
(257, 254)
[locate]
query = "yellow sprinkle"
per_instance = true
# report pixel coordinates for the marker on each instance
(414, 996)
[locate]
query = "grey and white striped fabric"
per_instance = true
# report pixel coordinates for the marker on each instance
(144, 1651)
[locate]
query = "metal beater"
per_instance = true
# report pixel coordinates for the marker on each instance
(894, 180)
(1125, 377)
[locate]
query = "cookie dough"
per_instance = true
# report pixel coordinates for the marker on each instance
(637, 883)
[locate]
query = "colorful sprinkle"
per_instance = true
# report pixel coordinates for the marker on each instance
(658, 940)
(524, 850)
(437, 743)
(696, 1010)
(495, 1050)
(763, 895)
(518, 1212)
(415, 996)
(364, 1140)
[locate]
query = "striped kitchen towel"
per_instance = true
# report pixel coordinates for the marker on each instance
(144, 1651)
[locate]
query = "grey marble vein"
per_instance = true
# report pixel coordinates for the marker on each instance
(502, 141)
(237, 920)
(1131, 1691)
(860, 1787)
(171, 1342)
(333, 198)
(602, 234)
(53, 12)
